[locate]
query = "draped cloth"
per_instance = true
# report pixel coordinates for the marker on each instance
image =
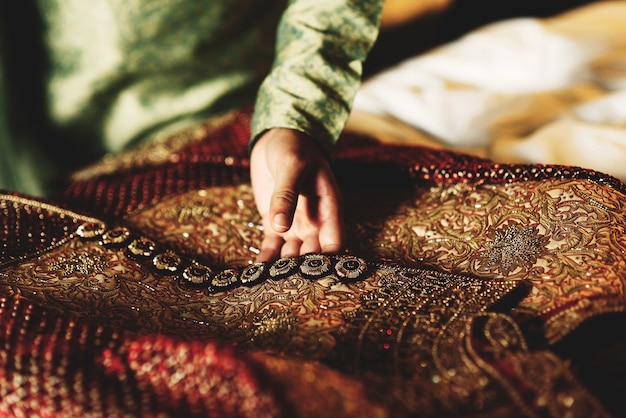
(467, 288)
(521, 90)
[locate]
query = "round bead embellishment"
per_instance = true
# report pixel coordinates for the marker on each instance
(315, 265)
(196, 275)
(91, 230)
(167, 262)
(116, 236)
(142, 247)
(224, 279)
(252, 274)
(283, 267)
(350, 267)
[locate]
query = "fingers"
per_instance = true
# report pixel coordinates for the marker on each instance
(270, 248)
(315, 219)
(311, 245)
(297, 196)
(330, 238)
(291, 248)
(287, 184)
(330, 215)
(327, 239)
(275, 246)
(283, 204)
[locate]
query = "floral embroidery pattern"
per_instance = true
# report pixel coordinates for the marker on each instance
(85, 263)
(514, 247)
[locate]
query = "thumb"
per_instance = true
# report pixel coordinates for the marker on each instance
(284, 198)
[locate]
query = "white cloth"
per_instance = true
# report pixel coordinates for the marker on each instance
(523, 90)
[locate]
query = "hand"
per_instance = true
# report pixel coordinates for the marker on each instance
(296, 194)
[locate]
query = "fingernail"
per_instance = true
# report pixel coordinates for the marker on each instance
(280, 221)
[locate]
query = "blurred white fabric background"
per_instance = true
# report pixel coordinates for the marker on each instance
(524, 90)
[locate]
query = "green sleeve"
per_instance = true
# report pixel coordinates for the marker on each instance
(7, 171)
(320, 49)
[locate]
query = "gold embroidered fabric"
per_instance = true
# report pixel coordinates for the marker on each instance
(565, 236)
(449, 300)
(403, 330)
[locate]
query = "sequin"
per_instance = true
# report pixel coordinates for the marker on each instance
(116, 236)
(196, 274)
(167, 262)
(225, 279)
(283, 267)
(141, 247)
(253, 274)
(85, 263)
(91, 230)
(350, 267)
(315, 266)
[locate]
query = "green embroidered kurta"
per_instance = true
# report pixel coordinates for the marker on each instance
(110, 73)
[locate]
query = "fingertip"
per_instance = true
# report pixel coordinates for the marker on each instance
(331, 237)
(310, 244)
(270, 249)
(331, 248)
(266, 256)
(291, 248)
(281, 223)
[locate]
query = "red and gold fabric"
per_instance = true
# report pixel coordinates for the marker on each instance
(462, 286)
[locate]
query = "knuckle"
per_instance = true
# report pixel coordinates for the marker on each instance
(285, 196)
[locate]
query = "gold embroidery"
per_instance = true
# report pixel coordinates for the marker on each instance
(162, 148)
(220, 225)
(27, 232)
(553, 233)
(409, 332)
(573, 252)
(539, 383)
(450, 227)
(513, 248)
(84, 263)
(32, 203)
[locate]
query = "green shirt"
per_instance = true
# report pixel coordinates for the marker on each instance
(111, 73)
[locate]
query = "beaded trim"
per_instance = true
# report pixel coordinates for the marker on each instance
(193, 274)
